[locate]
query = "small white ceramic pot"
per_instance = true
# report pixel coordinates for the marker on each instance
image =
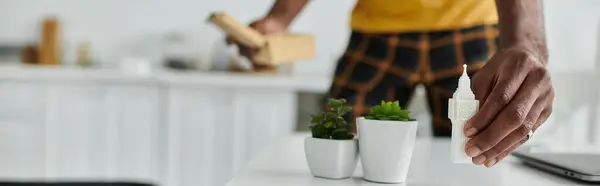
(386, 149)
(333, 159)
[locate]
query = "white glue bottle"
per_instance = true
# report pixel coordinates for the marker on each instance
(461, 107)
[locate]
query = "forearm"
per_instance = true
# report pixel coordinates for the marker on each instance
(521, 22)
(286, 10)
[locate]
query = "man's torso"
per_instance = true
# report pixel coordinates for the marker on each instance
(394, 16)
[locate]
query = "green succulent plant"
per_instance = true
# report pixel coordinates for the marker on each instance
(330, 124)
(389, 111)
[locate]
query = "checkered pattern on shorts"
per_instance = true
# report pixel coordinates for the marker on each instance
(387, 67)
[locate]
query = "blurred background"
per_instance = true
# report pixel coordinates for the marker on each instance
(148, 91)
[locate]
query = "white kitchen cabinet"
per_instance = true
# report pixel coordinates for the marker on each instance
(177, 129)
(21, 129)
(168, 128)
(56, 130)
(102, 131)
(214, 131)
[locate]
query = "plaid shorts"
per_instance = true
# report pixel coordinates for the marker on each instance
(387, 67)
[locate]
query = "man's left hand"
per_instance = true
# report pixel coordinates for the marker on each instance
(516, 96)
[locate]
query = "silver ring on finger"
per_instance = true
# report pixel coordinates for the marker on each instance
(529, 135)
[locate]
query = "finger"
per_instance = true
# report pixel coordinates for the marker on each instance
(489, 157)
(503, 155)
(247, 52)
(511, 117)
(533, 117)
(516, 135)
(502, 93)
(480, 83)
(543, 117)
(229, 40)
(480, 86)
(547, 110)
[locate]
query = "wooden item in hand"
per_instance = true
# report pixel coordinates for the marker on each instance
(272, 50)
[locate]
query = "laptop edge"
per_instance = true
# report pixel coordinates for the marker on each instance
(555, 169)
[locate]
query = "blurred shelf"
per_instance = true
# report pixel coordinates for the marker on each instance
(28, 73)
(193, 79)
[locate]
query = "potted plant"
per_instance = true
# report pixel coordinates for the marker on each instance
(386, 140)
(331, 151)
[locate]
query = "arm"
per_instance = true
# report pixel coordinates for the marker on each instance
(521, 22)
(514, 86)
(276, 21)
(286, 10)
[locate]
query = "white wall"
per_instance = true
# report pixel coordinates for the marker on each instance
(133, 28)
(120, 28)
(573, 34)
(125, 28)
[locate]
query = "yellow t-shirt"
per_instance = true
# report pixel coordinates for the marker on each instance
(381, 16)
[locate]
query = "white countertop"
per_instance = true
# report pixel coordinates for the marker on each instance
(302, 82)
(305, 83)
(285, 165)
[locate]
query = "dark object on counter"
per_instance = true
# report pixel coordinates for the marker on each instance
(72, 184)
(174, 51)
(10, 53)
(178, 64)
(29, 55)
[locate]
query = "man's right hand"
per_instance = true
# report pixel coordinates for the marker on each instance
(265, 26)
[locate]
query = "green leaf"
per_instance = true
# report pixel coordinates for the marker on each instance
(349, 136)
(376, 109)
(373, 110)
(403, 114)
(342, 134)
(326, 122)
(389, 111)
(386, 108)
(395, 110)
(338, 119)
(342, 100)
(329, 124)
(342, 124)
(319, 131)
(317, 118)
(394, 118)
(335, 102)
(329, 116)
(339, 134)
(343, 110)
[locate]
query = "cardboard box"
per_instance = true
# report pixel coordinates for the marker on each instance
(272, 50)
